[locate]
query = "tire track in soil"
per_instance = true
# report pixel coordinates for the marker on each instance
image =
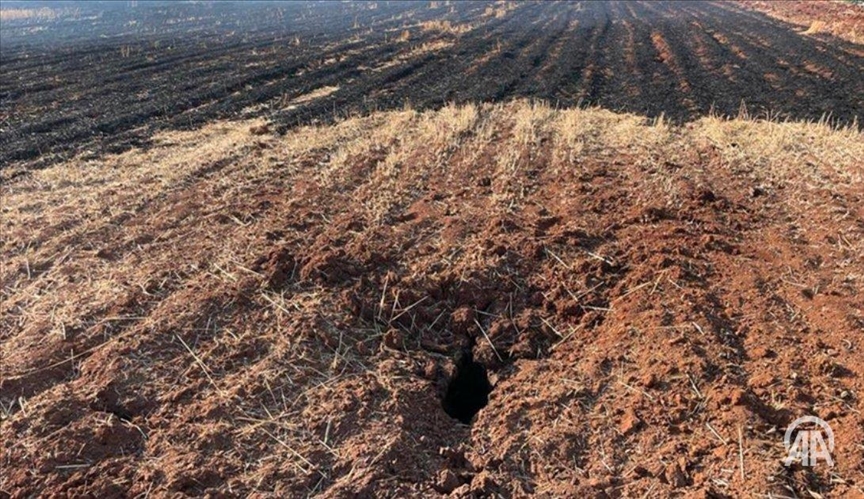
(671, 57)
(546, 76)
(633, 91)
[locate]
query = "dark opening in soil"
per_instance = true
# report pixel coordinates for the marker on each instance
(468, 391)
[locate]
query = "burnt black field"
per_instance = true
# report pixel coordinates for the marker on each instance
(102, 77)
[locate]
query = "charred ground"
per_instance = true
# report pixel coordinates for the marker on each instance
(102, 79)
(245, 307)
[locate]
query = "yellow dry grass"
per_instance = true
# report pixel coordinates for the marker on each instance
(165, 226)
(309, 97)
(70, 187)
(840, 18)
(815, 27)
(500, 9)
(445, 26)
(51, 216)
(15, 14)
(415, 52)
(40, 14)
(59, 221)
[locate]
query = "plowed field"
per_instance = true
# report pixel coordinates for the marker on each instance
(226, 274)
(233, 312)
(94, 83)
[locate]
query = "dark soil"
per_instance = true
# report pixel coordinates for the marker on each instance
(105, 79)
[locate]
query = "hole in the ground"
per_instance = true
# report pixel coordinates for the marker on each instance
(468, 391)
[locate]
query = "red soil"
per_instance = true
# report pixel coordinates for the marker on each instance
(838, 17)
(241, 314)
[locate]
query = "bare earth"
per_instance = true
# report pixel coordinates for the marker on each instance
(232, 312)
(840, 18)
(105, 81)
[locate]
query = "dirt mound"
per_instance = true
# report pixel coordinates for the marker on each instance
(233, 312)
